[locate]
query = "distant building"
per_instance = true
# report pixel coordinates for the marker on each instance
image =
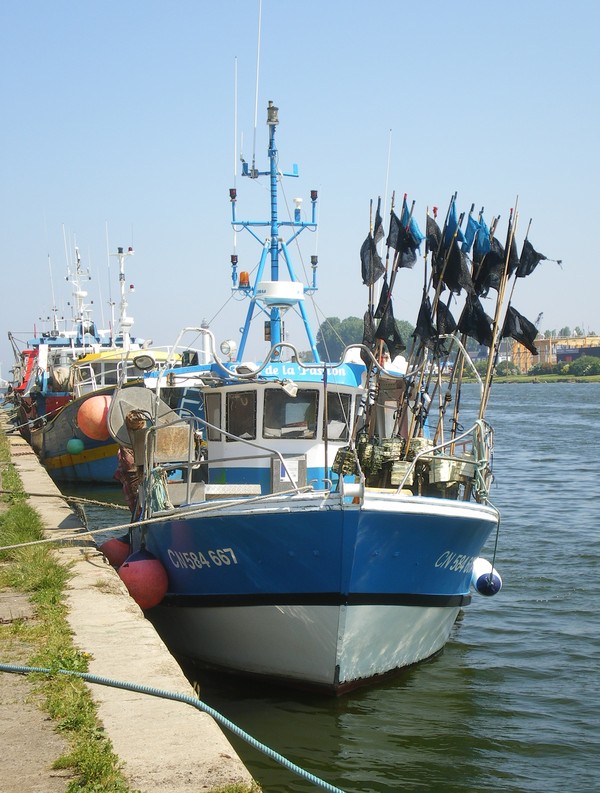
(559, 349)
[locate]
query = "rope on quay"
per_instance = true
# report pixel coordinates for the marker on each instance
(71, 499)
(188, 700)
(212, 506)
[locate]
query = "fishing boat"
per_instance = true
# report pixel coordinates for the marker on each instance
(69, 433)
(320, 524)
(42, 368)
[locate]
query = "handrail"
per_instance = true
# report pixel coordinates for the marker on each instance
(193, 420)
(479, 424)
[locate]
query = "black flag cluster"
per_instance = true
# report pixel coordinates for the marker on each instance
(452, 269)
(450, 263)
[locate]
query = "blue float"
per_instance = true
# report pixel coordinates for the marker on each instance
(75, 446)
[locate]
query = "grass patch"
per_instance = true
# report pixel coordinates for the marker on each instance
(35, 571)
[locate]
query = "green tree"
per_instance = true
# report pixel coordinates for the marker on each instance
(585, 365)
(406, 331)
(335, 334)
(506, 368)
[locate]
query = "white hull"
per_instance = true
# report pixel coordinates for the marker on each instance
(332, 647)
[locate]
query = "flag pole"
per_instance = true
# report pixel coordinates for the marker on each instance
(512, 226)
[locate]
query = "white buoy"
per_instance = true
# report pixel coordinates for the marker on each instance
(485, 579)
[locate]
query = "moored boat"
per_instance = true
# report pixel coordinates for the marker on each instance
(320, 523)
(42, 369)
(70, 434)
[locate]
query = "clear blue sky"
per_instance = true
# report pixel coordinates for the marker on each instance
(120, 115)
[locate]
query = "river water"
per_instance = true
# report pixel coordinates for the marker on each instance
(513, 702)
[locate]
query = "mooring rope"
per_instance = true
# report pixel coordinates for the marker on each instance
(188, 700)
(177, 512)
(73, 499)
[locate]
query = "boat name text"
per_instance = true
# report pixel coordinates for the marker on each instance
(290, 369)
(455, 562)
(192, 559)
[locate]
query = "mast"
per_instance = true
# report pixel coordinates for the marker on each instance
(125, 322)
(272, 121)
(82, 314)
(275, 296)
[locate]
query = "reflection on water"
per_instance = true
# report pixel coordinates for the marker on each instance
(512, 703)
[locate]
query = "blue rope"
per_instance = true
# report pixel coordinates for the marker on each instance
(188, 700)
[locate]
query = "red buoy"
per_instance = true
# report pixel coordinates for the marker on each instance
(116, 550)
(145, 578)
(91, 417)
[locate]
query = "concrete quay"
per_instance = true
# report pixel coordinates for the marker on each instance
(164, 746)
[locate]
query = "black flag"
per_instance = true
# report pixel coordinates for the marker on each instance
(388, 332)
(513, 258)
(403, 242)
(475, 322)
(519, 328)
(371, 265)
(384, 297)
(456, 274)
(530, 259)
(425, 329)
(491, 269)
(378, 230)
(444, 320)
(433, 235)
(368, 338)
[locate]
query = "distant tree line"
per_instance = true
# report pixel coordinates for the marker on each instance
(566, 332)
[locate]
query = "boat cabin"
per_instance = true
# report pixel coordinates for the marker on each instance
(248, 423)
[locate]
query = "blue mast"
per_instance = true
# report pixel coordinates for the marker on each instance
(261, 292)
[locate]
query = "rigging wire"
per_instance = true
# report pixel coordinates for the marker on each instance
(256, 89)
(235, 132)
(110, 300)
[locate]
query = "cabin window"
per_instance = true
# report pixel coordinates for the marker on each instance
(338, 417)
(241, 415)
(107, 373)
(290, 417)
(212, 403)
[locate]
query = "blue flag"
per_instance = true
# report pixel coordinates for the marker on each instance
(471, 231)
(452, 226)
(411, 226)
(482, 240)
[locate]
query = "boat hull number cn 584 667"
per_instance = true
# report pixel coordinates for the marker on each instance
(217, 557)
(455, 562)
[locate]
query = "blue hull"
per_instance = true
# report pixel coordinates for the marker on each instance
(339, 555)
(323, 595)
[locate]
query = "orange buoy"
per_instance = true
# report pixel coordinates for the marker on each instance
(91, 417)
(145, 578)
(116, 550)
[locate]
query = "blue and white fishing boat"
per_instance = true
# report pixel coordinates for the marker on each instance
(317, 523)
